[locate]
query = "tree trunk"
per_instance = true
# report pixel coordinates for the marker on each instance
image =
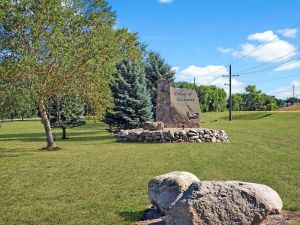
(47, 127)
(64, 133)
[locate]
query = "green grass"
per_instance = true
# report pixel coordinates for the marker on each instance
(93, 180)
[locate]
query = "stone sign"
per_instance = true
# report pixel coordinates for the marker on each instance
(177, 107)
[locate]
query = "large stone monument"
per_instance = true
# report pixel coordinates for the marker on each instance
(177, 107)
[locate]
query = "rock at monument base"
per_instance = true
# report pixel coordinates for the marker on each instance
(220, 203)
(165, 189)
(172, 135)
(153, 126)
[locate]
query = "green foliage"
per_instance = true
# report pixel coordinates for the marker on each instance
(156, 68)
(253, 100)
(16, 102)
(211, 98)
(66, 112)
(237, 102)
(292, 100)
(62, 47)
(132, 102)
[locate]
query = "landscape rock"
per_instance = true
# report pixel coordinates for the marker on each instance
(166, 189)
(218, 203)
(172, 135)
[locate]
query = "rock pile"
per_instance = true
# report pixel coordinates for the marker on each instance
(187, 201)
(172, 135)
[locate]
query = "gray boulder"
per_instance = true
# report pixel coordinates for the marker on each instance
(166, 189)
(224, 203)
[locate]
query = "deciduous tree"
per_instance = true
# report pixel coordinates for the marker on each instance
(62, 46)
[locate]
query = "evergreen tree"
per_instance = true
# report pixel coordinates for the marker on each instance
(132, 101)
(155, 69)
(66, 112)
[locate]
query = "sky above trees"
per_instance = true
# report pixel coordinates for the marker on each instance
(200, 38)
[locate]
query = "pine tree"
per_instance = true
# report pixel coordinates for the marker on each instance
(132, 101)
(155, 69)
(66, 112)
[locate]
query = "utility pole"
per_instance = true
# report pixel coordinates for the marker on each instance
(293, 94)
(230, 88)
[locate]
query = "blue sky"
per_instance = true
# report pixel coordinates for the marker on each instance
(200, 38)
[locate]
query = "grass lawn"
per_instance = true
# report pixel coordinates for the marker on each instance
(93, 180)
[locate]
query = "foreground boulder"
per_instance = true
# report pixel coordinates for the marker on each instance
(222, 203)
(165, 189)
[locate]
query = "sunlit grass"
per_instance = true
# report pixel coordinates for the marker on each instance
(94, 180)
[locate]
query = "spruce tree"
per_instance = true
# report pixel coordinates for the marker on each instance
(66, 112)
(155, 69)
(131, 98)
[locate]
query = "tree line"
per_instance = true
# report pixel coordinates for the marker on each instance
(253, 100)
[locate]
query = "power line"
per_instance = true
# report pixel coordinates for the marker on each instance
(281, 78)
(270, 62)
(272, 67)
(286, 90)
(257, 48)
(267, 43)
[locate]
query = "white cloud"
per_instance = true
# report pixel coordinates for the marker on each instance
(208, 75)
(165, 1)
(262, 37)
(291, 33)
(287, 91)
(225, 50)
(264, 52)
(288, 66)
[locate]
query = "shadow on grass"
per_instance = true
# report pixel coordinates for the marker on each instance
(131, 216)
(250, 116)
(73, 136)
(6, 153)
(87, 138)
(23, 137)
